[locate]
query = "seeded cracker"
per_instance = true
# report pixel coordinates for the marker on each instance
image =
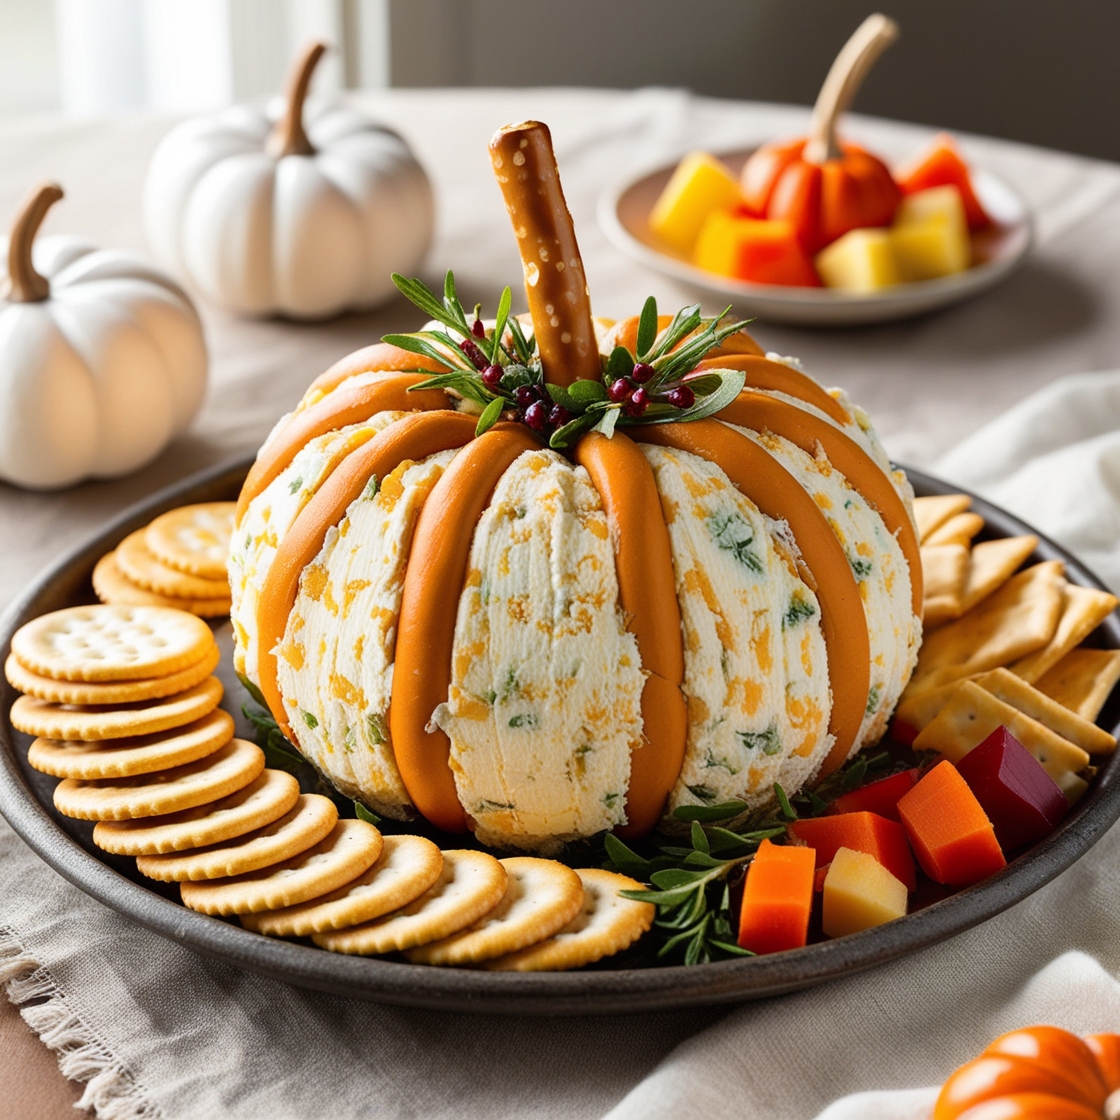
(193, 539)
(406, 868)
(542, 896)
(111, 643)
(123, 758)
(348, 850)
(58, 721)
(229, 769)
(302, 827)
(606, 924)
(1083, 680)
(470, 885)
(263, 801)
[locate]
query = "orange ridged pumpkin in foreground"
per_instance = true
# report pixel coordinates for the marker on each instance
(1037, 1073)
(548, 578)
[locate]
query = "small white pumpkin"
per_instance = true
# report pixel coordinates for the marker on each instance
(102, 357)
(265, 217)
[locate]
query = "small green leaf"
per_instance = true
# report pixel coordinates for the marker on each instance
(363, 814)
(704, 383)
(569, 432)
(560, 396)
(500, 326)
(674, 877)
(721, 812)
(584, 391)
(647, 327)
(491, 414)
(734, 950)
(417, 292)
(525, 349)
(624, 857)
(252, 690)
(607, 422)
(732, 385)
(699, 838)
(619, 364)
(784, 806)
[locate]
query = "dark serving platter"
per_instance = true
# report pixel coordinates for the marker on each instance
(25, 801)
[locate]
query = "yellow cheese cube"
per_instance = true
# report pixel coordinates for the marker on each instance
(699, 186)
(859, 892)
(860, 261)
(930, 234)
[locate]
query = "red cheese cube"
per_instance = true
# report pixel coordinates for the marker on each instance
(777, 899)
(948, 830)
(861, 832)
(877, 797)
(1020, 799)
(942, 165)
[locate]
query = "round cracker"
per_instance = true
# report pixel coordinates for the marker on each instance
(302, 827)
(142, 754)
(106, 642)
(92, 724)
(113, 586)
(542, 896)
(143, 569)
(228, 769)
(193, 539)
(109, 692)
(406, 868)
(263, 801)
(470, 885)
(351, 847)
(606, 924)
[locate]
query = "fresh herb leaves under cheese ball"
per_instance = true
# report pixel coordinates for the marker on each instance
(544, 576)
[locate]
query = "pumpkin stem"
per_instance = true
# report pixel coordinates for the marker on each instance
(845, 76)
(555, 285)
(288, 137)
(25, 285)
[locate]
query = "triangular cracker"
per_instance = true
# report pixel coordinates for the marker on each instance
(992, 564)
(935, 510)
(944, 571)
(959, 529)
(1083, 680)
(1084, 610)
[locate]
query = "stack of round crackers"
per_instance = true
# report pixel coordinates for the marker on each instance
(179, 560)
(125, 713)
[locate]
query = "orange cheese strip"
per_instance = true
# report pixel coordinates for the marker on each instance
(433, 582)
(555, 285)
(762, 413)
(381, 356)
(413, 437)
(336, 410)
(765, 374)
(761, 478)
(625, 333)
(648, 594)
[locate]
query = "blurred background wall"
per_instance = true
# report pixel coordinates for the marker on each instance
(1042, 71)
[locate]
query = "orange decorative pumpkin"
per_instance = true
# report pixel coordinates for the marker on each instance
(821, 187)
(1037, 1073)
(544, 580)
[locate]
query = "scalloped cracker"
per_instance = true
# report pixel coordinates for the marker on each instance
(193, 539)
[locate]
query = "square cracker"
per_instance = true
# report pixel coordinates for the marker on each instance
(931, 512)
(944, 571)
(1018, 619)
(972, 714)
(1083, 680)
(992, 564)
(1084, 610)
(918, 709)
(959, 529)
(1006, 686)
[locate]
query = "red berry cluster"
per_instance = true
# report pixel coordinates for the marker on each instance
(632, 394)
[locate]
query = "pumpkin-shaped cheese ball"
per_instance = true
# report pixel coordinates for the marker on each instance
(102, 357)
(271, 215)
(545, 581)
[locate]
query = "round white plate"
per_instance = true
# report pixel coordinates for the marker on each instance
(624, 215)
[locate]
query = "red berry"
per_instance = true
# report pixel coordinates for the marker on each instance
(559, 416)
(637, 403)
(682, 397)
(642, 372)
(492, 376)
(619, 390)
(536, 416)
(524, 396)
(477, 329)
(478, 359)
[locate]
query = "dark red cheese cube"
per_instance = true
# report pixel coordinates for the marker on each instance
(880, 797)
(1021, 800)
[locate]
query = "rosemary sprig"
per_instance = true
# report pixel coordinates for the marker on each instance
(499, 369)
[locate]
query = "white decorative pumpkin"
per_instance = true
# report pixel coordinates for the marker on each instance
(102, 357)
(266, 218)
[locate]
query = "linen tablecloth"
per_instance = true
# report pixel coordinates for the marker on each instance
(163, 1032)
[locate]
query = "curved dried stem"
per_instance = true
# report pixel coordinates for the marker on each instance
(25, 285)
(846, 75)
(288, 137)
